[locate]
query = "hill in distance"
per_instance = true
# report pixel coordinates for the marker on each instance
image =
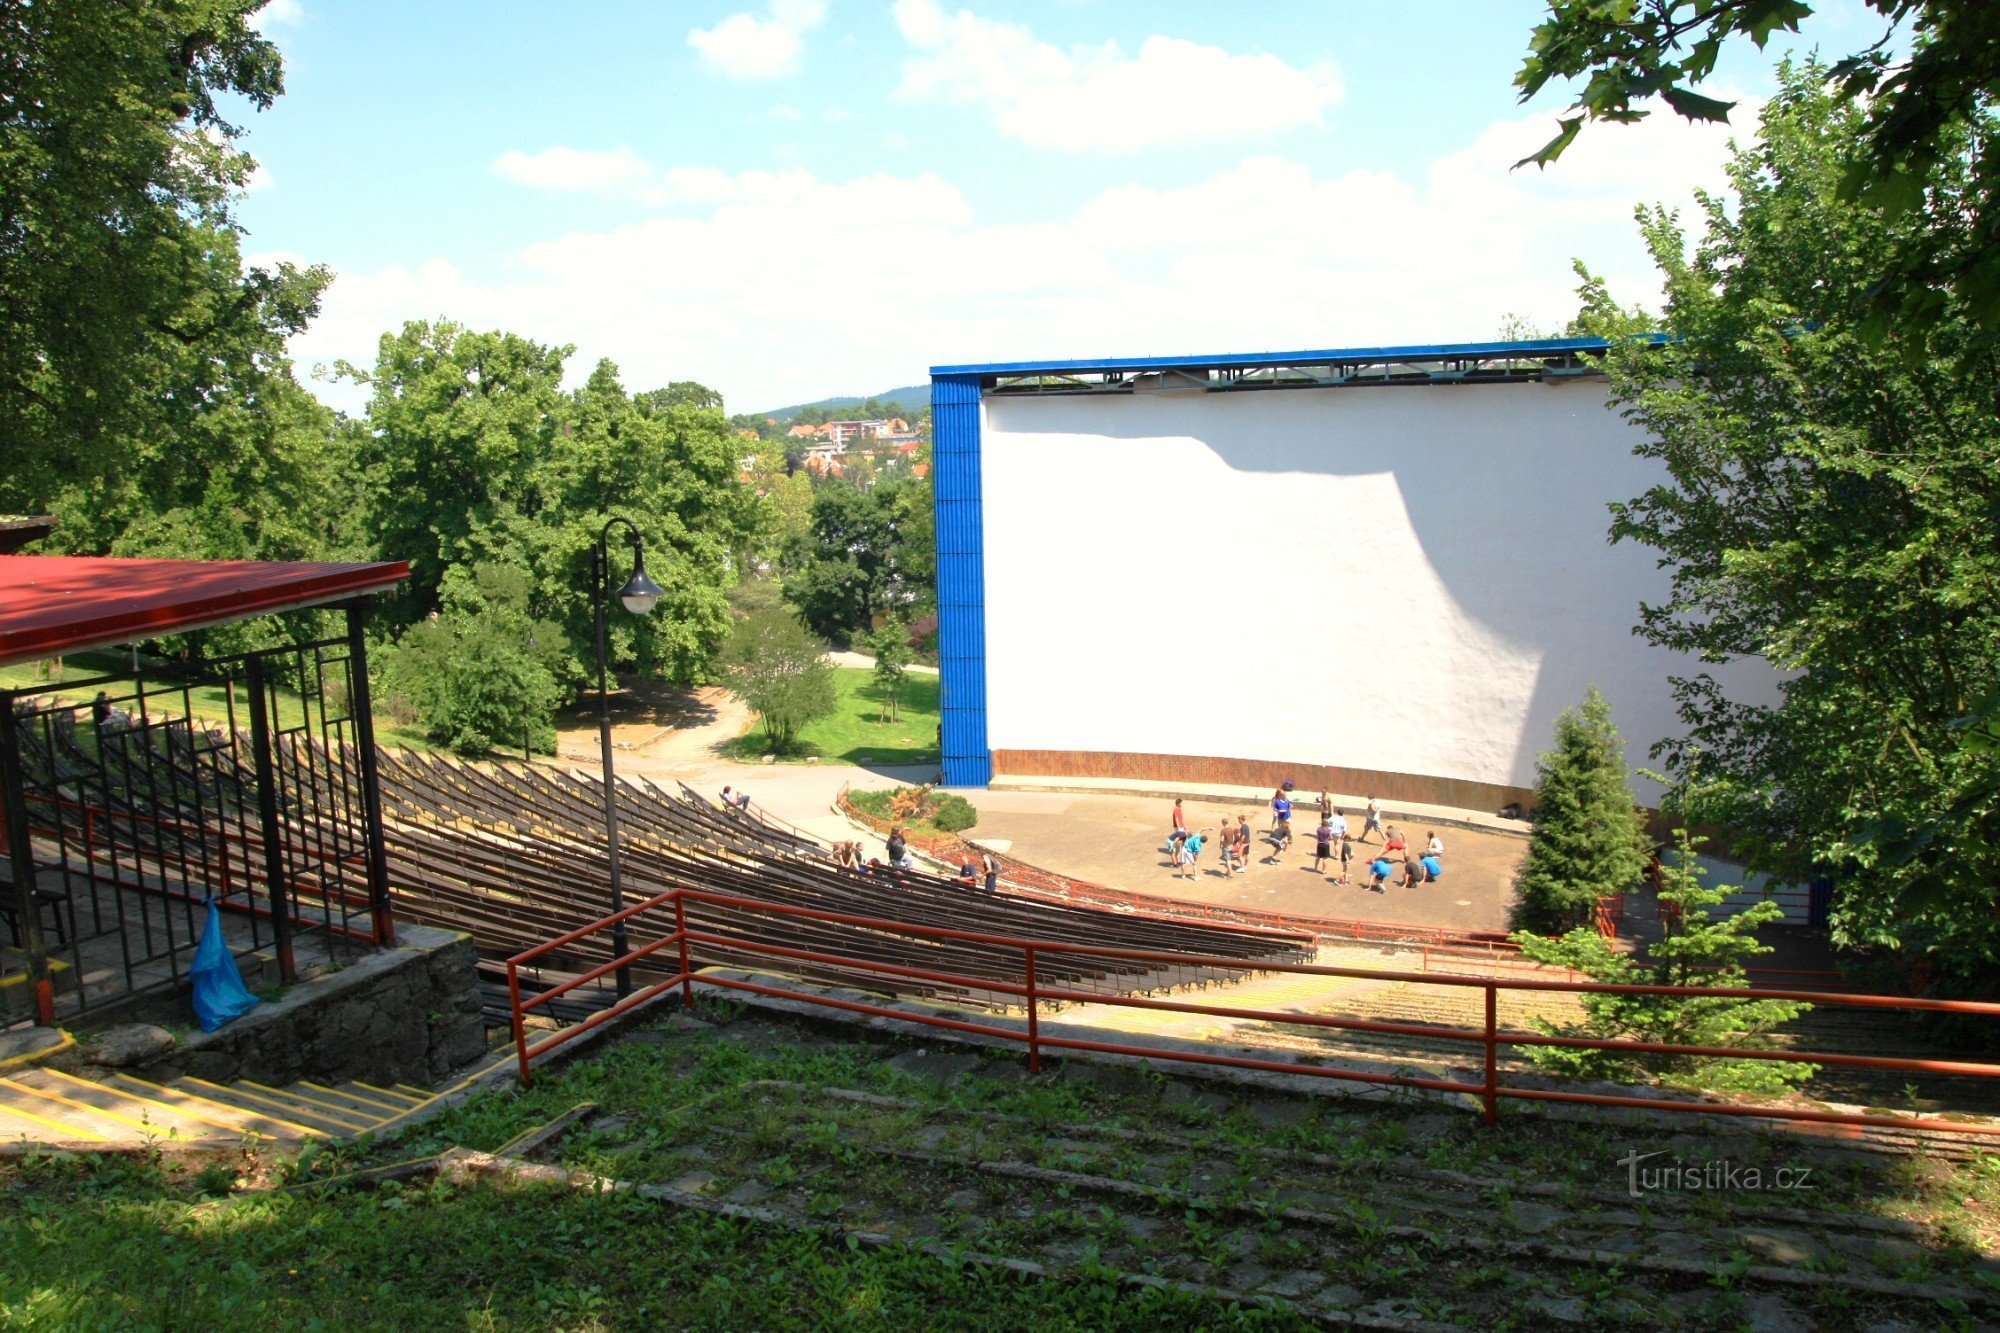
(907, 400)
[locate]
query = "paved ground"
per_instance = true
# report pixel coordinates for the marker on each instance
(674, 734)
(1119, 840)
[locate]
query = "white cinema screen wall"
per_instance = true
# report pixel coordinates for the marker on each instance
(1388, 587)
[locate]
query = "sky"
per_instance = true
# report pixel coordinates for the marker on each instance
(799, 198)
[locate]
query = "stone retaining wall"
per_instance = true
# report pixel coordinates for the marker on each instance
(409, 1014)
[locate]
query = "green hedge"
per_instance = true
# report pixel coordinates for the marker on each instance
(946, 813)
(954, 814)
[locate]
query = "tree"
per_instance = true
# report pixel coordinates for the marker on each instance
(867, 552)
(474, 454)
(1589, 840)
(143, 379)
(891, 647)
(1700, 952)
(482, 674)
(782, 674)
(1828, 506)
(1926, 113)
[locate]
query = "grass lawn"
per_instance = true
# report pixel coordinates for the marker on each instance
(208, 701)
(1137, 1174)
(856, 731)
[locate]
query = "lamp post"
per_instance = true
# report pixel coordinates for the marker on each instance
(639, 596)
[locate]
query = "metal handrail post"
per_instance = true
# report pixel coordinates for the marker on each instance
(687, 971)
(520, 1021)
(1492, 1094)
(1034, 1014)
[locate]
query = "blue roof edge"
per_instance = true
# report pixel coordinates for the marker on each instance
(1335, 356)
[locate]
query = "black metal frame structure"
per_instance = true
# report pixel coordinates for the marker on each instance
(125, 813)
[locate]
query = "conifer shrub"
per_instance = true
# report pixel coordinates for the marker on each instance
(1701, 951)
(1589, 840)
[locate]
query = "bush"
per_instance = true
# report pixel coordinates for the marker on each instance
(874, 803)
(782, 674)
(941, 811)
(954, 814)
(1701, 951)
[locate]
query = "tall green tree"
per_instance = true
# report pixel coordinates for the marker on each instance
(1829, 506)
(1589, 840)
(145, 397)
(867, 552)
(476, 455)
(1923, 92)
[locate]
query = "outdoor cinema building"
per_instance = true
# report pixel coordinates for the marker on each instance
(1375, 571)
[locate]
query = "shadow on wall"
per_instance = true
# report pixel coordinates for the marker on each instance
(1446, 546)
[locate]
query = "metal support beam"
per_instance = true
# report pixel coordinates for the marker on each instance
(267, 814)
(21, 863)
(362, 709)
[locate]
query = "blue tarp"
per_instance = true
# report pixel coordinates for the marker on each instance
(219, 993)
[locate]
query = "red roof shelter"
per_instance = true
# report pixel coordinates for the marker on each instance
(56, 604)
(248, 781)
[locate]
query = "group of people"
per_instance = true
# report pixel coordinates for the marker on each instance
(973, 871)
(1332, 843)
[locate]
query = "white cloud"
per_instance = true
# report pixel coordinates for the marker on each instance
(778, 286)
(573, 168)
(744, 46)
(1171, 92)
(279, 14)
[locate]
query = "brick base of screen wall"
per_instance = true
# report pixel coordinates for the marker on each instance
(1390, 788)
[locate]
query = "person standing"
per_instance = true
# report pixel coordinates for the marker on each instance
(1178, 834)
(1281, 812)
(1346, 857)
(1232, 854)
(991, 867)
(1322, 843)
(1374, 818)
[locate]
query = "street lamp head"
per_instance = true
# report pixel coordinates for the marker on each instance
(640, 594)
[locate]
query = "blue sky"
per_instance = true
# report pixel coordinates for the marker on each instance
(796, 198)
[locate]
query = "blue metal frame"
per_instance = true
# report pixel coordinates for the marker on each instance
(1333, 357)
(961, 579)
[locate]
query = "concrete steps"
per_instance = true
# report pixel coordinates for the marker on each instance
(44, 1105)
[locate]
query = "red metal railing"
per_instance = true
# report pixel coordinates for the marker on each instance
(1488, 1037)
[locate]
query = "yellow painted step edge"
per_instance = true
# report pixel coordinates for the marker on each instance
(168, 1108)
(146, 1126)
(347, 1115)
(276, 1103)
(73, 1131)
(393, 1108)
(307, 1130)
(29, 1057)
